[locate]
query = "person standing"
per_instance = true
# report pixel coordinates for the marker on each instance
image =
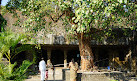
(73, 70)
(53, 68)
(46, 75)
(42, 69)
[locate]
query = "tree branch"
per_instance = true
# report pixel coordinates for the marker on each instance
(52, 18)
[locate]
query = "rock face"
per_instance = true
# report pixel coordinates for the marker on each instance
(57, 33)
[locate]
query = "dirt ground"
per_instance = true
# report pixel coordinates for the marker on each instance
(58, 75)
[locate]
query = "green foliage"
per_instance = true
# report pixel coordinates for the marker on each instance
(85, 14)
(8, 41)
(3, 23)
(100, 14)
(22, 70)
(3, 10)
(24, 47)
(5, 71)
(34, 11)
(16, 74)
(8, 45)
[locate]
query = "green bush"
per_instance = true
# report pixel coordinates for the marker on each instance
(9, 72)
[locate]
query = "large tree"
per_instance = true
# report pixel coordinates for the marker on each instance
(88, 19)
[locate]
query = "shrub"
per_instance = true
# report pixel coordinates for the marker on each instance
(8, 72)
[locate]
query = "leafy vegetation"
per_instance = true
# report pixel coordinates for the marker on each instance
(3, 23)
(8, 43)
(9, 72)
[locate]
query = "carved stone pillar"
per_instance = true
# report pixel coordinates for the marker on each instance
(65, 58)
(49, 56)
(113, 56)
(133, 68)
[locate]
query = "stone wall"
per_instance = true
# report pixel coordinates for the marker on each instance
(94, 76)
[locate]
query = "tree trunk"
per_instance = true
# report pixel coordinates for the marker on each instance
(85, 52)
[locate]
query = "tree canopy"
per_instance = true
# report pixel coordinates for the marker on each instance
(84, 14)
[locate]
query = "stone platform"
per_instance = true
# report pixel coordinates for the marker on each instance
(62, 74)
(94, 76)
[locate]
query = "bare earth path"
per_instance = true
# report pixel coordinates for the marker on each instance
(58, 75)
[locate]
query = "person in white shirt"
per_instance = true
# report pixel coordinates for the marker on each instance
(42, 69)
